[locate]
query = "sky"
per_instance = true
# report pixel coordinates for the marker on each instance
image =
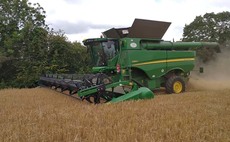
(82, 19)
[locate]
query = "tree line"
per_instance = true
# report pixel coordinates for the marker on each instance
(29, 48)
(210, 27)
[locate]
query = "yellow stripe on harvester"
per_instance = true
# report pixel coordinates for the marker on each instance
(164, 61)
(181, 60)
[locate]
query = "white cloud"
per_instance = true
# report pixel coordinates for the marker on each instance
(77, 28)
(96, 16)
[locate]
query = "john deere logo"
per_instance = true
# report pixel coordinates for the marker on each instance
(133, 45)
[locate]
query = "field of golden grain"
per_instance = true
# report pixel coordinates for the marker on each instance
(45, 115)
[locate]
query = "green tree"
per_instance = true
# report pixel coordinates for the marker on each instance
(65, 56)
(28, 48)
(23, 35)
(210, 27)
(17, 16)
(84, 66)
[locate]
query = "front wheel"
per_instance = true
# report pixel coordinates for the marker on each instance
(175, 84)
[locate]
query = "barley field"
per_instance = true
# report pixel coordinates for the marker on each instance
(40, 114)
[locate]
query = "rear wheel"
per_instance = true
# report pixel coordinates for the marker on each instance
(175, 84)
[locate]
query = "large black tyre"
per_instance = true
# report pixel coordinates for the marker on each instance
(175, 84)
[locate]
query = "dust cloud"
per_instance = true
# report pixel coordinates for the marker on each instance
(216, 74)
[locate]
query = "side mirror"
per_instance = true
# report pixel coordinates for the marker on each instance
(201, 70)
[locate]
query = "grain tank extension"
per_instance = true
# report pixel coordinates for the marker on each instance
(131, 62)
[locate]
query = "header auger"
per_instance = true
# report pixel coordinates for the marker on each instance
(129, 63)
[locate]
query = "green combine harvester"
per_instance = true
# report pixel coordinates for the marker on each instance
(129, 63)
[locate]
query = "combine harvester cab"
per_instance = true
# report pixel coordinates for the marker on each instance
(131, 62)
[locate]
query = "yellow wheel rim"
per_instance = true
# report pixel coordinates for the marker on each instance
(177, 87)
